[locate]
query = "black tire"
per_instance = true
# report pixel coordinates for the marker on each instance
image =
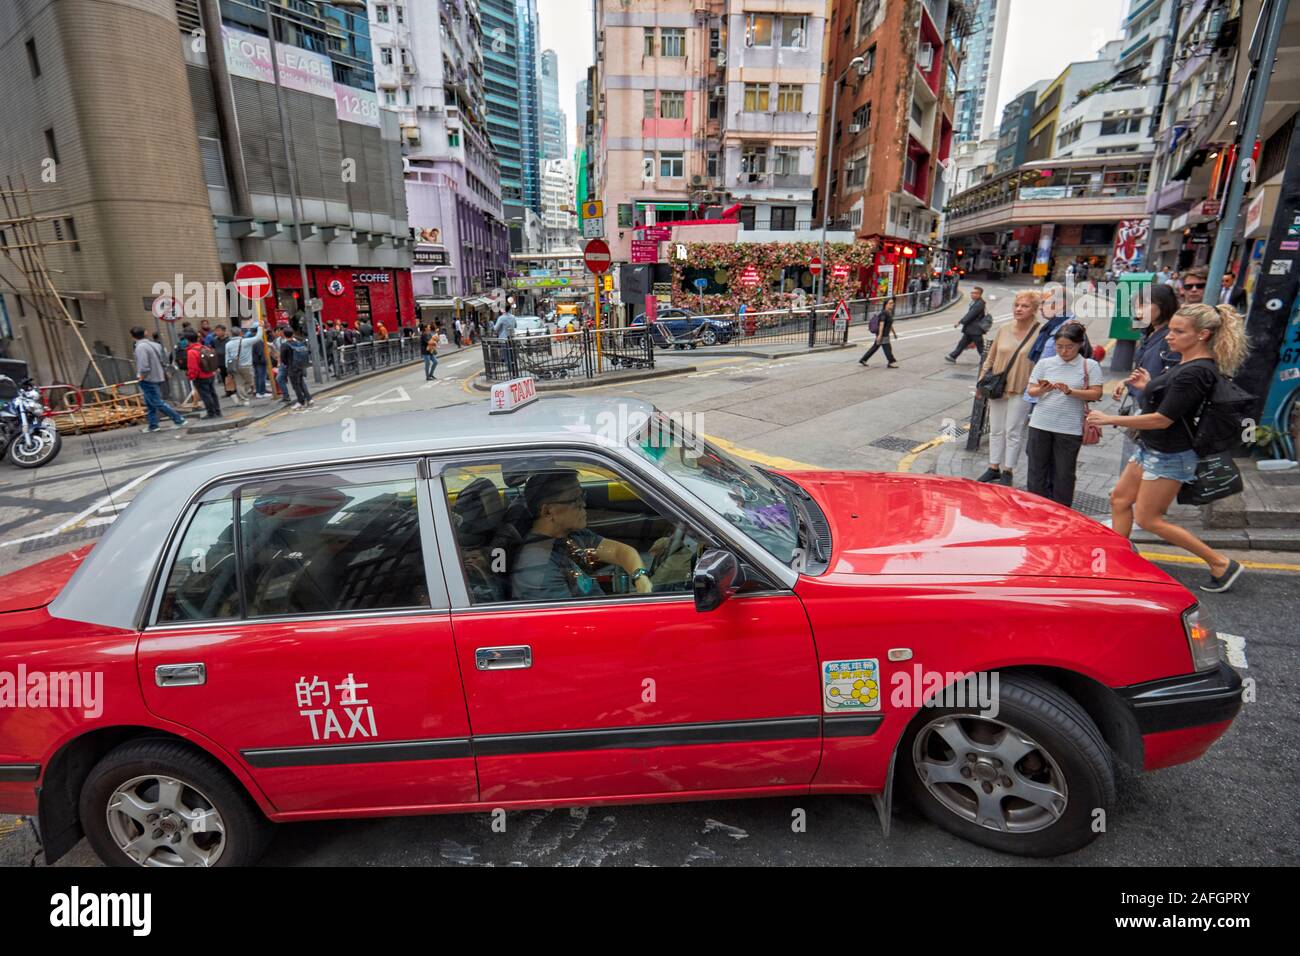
(709, 337)
(1061, 728)
(52, 451)
(247, 831)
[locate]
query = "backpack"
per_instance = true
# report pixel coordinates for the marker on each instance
(180, 358)
(1222, 419)
(208, 361)
(299, 355)
(873, 324)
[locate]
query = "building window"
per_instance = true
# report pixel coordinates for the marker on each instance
(747, 217)
(717, 106)
(1114, 127)
(715, 43)
(453, 137)
(672, 41)
(758, 29)
(381, 13)
(386, 55)
(51, 148)
(862, 117)
(794, 32)
(789, 98)
(909, 178)
(390, 97)
(32, 61)
(401, 14)
(783, 217)
(648, 104)
(647, 165)
(672, 165)
(786, 161)
(868, 62)
(672, 105)
(711, 165)
(756, 97)
(753, 162)
(648, 48)
(867, 10)
(855, 172)
(918, 114)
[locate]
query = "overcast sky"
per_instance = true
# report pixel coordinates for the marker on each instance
(1042, 37)
(566, 29)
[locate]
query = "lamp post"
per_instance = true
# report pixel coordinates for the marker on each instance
(856, 62)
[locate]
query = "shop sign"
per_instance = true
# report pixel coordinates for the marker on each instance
(645, 250)
(429, 257)
(371, 277)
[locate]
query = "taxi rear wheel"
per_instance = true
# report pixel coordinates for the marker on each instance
(1027, 779)
(160, 803)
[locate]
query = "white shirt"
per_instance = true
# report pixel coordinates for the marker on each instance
(1056, 411)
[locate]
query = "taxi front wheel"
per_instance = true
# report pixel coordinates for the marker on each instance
(1032, 776)
(160, 803)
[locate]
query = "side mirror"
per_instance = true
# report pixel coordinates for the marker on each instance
(717, 577)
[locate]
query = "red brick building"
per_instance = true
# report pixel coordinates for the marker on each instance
(893, 126)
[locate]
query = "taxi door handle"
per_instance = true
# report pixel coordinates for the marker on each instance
(180, 675)
(503, 658)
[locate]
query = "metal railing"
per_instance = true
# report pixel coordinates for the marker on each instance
(586, 354)
(345, 361)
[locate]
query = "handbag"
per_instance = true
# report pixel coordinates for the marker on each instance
(1091, 433)
(994, 384)
(1216, 477)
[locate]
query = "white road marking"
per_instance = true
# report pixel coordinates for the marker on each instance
(1236, 646)
(96, 506)
(456, 364)
(401, 395)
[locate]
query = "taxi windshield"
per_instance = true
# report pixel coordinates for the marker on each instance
(742, 494)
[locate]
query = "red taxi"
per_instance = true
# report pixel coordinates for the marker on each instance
(580, 602)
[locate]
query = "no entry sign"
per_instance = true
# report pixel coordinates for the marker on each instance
(253, 280)
(815, 267)
(166, 308)
(596, 256)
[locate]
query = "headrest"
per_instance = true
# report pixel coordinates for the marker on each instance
(478, 508)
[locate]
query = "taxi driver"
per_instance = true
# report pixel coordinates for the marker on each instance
(550, 561)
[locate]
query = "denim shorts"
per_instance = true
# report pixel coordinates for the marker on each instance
(1177, 465)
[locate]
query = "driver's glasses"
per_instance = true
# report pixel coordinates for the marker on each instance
(577, 500)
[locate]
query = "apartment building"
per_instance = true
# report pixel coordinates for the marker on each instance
(975, 114)
(559, 216)
(429, 71)
(555, 134)
(896, 66)
(707, 103)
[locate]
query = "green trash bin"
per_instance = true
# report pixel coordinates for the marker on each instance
(1125, 327)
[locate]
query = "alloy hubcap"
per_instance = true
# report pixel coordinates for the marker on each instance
(990, 774)
(163, 821)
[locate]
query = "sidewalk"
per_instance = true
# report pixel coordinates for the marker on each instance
(239, 416)
(1266, 516)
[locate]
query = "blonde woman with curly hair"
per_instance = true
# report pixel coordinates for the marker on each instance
(1212, 342)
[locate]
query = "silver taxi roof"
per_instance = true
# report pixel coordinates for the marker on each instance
(109, 586)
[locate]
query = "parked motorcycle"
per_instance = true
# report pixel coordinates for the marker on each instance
(28, 439)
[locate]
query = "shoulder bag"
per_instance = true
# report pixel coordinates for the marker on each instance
(1217, 475)
(1091, 433)
(994, 384)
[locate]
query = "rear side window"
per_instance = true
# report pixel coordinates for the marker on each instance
(203, 584)
(320, 544)
(306, 545)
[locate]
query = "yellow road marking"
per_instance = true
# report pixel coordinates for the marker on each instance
(1188, 559)
(907, 461)
(772, 461)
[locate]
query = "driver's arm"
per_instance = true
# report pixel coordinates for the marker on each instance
(627, 558)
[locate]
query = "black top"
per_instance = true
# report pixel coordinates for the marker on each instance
(1178, 393)
(885, 325)
(974, 315)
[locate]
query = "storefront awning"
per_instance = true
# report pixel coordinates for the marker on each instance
(436, 303)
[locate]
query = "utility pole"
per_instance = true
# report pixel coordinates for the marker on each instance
(312, 343)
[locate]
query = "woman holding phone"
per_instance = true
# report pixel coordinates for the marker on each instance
(1063, 384)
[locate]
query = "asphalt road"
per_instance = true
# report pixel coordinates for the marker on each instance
(1235, 806)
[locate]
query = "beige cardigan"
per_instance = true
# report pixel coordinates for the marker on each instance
(999, 354)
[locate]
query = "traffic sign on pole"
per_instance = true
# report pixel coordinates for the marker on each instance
(166, 308)
(815, 267)
(253, 280)
(596, 256)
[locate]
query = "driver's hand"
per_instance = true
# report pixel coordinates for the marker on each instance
(644, 585)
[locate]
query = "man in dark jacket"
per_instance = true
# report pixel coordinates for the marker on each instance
(973, 325)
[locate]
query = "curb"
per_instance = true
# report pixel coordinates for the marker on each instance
(746, 353)
(564, 385)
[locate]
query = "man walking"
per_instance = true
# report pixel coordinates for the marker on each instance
(282, 340)
(239, 365)
(429, 349)
(149, 359)
(973, 325)
(201, 367)
(298, 360)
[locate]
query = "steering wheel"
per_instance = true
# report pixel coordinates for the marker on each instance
(674, 544)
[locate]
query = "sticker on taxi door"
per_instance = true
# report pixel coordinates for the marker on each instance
(850, 685)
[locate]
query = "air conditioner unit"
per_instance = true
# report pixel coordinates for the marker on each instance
(719, 91)
(925, 56)
(863, 69)
(697, 181)
(855, 127)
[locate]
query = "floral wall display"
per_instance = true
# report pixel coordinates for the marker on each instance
(727, 261)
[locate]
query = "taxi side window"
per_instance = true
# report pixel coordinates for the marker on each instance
(202, 584)
(320, 543)
(556, 529)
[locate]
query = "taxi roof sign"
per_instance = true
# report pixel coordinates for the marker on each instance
(514, 394)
